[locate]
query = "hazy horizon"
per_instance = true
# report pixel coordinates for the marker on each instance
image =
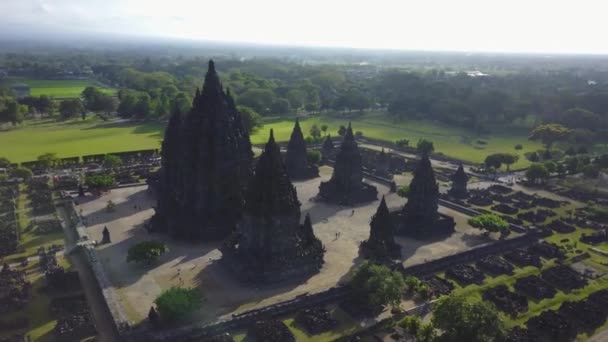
(470, 25)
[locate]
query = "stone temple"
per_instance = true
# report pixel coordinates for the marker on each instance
(459, 183)
(270, 244)
(296, 159)
(381, 245)
(346, 184)
(206, 162)
(419, 217)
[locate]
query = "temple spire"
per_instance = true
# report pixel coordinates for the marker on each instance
(381, 244)
(296, 158)
(459, 183)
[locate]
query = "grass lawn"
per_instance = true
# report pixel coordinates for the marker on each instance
(56, 88)
(76, 137)
(452, 141)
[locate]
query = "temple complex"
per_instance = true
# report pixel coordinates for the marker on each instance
(346, 184)
(459, 183)
(270, 244)
(419, 217)
(381, 245)
(206, 162)
(296, 159)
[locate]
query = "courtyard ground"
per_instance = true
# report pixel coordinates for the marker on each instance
(197, 264)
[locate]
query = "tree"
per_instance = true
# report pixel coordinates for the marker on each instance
(70, 108)
(401, 143)
(99, 182)
(315, 132)
(146, 252)
(403, 191)
(550, 166)
(251, 119)
(572, 165)
(493, 161)
(377, 285)
(22, 172)
(47, 160)
(509, 159)
(549, 134)
(175, 303)
(425, 147)
(111, 161)
(463, 321)
(107, 104)
(4, 163)
(490, 223)
(537, 173)
(426, 333)
(314, 157)
(342, 130)
(280, 106)
(519, 147)
(324, 129)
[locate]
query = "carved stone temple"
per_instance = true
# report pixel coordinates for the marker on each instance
(206, 162)
(296, 159)
(381, 245)
(419, 217)
(346, 185)
(270, 244)
(459, 183)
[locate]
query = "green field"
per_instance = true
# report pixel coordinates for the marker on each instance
(451, 141)
(77, 138)
(58, 89)
(93, 136)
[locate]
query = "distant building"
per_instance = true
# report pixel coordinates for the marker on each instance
(20, 90)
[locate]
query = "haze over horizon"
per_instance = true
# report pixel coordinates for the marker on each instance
(469, 25)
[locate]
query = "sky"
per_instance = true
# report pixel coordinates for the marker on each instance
(552, 26)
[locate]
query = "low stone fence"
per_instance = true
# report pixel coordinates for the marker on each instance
(473, 254)
(245, 319)
(85, 249)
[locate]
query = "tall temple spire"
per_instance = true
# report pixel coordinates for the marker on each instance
(419, 216)
(270, 244)
(296, 158)
(270, 191)
(459, 183)
(381, 244)
(206, 162)
(346, 184)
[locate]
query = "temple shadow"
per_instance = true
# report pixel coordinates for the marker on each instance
(133, 204)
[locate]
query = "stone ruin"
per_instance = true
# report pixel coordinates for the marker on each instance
(206, 161)
(505, 300)
(346, 185)
(270, 331)
(419, 217)
(270, 244)
(296, 159)
(381, 245)
(459, 183)
(316, 320)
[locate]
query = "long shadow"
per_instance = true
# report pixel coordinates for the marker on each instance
(133, 204)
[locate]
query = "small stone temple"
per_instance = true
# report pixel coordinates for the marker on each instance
(296, 159)
(206, 162)
(346, 185)
(381, 245)
(419, 217)
(270, 244)
(459, 183)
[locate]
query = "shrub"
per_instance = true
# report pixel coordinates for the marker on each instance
(101, 181)
(489, 222)
(314, 157)
(519, 147)
(403, 191)
(377, 285)
(533, 157)
(22, 172)
(401, 143)
(176, 302)
(359, 134)
(146, 252)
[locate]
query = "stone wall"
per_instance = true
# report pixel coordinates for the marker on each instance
(85, 248)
